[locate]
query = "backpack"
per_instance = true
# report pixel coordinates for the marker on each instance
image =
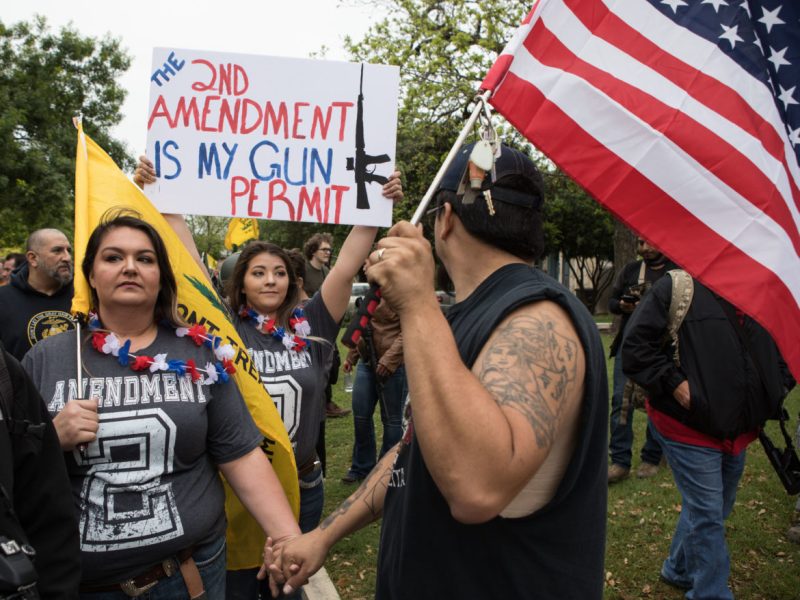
(682, 294)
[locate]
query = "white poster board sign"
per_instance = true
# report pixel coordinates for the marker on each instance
(237, 135)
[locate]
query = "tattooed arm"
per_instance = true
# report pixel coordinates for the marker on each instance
(484, 434)
(296, 560)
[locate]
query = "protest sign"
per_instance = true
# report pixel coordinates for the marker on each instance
(289, 139)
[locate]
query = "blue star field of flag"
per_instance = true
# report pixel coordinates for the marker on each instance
(762, 36)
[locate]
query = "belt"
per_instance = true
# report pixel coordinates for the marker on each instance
(136, 586)
(308, 467)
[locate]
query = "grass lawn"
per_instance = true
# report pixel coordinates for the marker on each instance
(641, 518)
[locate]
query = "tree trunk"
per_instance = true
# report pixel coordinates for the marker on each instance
(624, 246)
(624, 253)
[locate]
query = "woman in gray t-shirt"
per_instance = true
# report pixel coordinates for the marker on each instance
(291, 346)
(149, 430)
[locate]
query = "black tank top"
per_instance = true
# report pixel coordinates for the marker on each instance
(557, 552)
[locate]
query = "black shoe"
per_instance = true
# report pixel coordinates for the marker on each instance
(351, 478)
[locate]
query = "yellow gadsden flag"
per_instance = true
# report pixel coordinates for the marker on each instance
(240, 231)
(100, 186)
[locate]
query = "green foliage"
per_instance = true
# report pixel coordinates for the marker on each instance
(208, 234)
(583, 230)
(444, 50)
(46, 78)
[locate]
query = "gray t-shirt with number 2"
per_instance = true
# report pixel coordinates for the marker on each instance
(147, 487)
(296, 379)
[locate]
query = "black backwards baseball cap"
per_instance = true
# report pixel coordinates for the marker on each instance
(517, 180)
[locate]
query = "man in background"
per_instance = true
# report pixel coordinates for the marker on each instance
(36, 303)
(709, 392)
(12, 262)
(380, 379)
(317, 250)
(631, 284)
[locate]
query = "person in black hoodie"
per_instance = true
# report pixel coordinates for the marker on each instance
(36, 303)
(704, 412)
(35, 493)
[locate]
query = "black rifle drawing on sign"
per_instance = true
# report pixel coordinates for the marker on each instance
(361, 162)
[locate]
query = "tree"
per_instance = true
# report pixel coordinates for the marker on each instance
(47, 78)
(208, 234)
(624, 246)
(583, 230)
(444, 50)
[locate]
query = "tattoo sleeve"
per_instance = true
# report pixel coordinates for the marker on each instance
(530, 368)
(371, 492)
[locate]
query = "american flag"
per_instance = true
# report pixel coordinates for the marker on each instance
(682, 117)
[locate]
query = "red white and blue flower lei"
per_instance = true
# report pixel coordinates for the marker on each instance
(215, 372)
(295, 340)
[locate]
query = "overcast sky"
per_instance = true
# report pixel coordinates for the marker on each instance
(274, 27)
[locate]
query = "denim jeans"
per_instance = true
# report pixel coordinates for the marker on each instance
(242, 583)
(210, 560)
(621, 436)
(365, 397)
(312, 500)
(707, 480)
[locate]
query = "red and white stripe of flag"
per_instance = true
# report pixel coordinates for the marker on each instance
(673, 137)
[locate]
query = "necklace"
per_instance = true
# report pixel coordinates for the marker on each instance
(292, 340)
(219, 371)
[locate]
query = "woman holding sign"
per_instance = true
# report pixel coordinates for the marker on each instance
(147, 434)
(289, 345)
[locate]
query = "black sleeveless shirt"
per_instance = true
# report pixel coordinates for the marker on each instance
(556, 552)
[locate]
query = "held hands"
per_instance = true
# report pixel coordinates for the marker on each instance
(682, 395)
(293, 560)
(403, 266)
(77, 423)
(627, 307)
(272, 554)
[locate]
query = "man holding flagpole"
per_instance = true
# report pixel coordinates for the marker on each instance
(505, 437)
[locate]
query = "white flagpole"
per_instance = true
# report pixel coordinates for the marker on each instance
(479, 107)
(78, 347)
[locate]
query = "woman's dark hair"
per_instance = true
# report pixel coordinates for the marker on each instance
(236, 295)
(166, 308)
(298, 262)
